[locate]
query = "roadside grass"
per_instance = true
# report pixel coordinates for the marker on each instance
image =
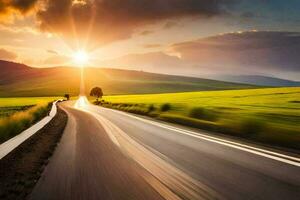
(269, 115)
(24, 101)
(7, 111)
(14, 124)
(18, 114)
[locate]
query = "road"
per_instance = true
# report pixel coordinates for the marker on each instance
(108, 154)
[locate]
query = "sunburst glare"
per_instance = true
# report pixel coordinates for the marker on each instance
(80, 58)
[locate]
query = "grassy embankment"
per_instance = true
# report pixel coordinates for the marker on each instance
(17, 114)
(265, 115)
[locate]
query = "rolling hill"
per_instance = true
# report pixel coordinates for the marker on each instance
(21, 80)
(260, 80)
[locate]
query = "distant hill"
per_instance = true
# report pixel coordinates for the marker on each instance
(21, 80)
(260, 80)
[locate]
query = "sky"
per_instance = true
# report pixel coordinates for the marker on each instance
(189, 37)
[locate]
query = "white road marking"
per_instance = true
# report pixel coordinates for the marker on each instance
(14, 142)
(258, 151)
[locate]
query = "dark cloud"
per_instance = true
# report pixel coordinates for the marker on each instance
(268, 53)
(23, 5)
(260, 51)
(2, 6)
(248, 15)
(105, 21)
(170, 24)
(7, 7)
(7, 55)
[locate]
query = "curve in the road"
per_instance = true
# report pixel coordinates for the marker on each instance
(175, 179)
(106, 153)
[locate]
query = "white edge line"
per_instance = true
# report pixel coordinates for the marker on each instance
(11, 144)
(262, 152)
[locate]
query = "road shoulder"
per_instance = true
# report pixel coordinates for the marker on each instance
(20, 169)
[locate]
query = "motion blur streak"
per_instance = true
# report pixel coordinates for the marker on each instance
(175, 179)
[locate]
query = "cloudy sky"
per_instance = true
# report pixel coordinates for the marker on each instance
(191, 37)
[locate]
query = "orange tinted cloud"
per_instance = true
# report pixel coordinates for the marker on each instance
(57, 60)
(9, 7)
(149, 46)
(86, 23)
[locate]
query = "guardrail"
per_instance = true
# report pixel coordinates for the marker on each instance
(11, 144)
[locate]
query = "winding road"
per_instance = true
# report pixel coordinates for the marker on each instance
(108, 154)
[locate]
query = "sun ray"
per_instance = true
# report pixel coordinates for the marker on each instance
(90, 27)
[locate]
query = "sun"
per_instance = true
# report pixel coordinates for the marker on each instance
(80, 58)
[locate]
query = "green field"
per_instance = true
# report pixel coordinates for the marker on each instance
(17, 114)
(268, 115)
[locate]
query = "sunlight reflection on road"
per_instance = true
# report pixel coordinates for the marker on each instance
(163, 176)
(81, 103)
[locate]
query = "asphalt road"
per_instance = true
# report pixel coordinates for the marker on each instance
(108, 154)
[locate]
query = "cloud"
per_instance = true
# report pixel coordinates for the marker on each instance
(251, 50)
(57, 60)
(149, 46)
(22, 5)
(99, 22)
(7, 55)
(52, 52)
(10, 7)
(152, 61)
(24, 36)
(146, 32)
(248, 15)
(170, 24)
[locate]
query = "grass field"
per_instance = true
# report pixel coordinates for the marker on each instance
(268, 115)
(17, 114)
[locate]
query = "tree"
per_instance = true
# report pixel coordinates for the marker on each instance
(67, 96)
(96, 92)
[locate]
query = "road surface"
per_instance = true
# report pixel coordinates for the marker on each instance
(108, 154)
